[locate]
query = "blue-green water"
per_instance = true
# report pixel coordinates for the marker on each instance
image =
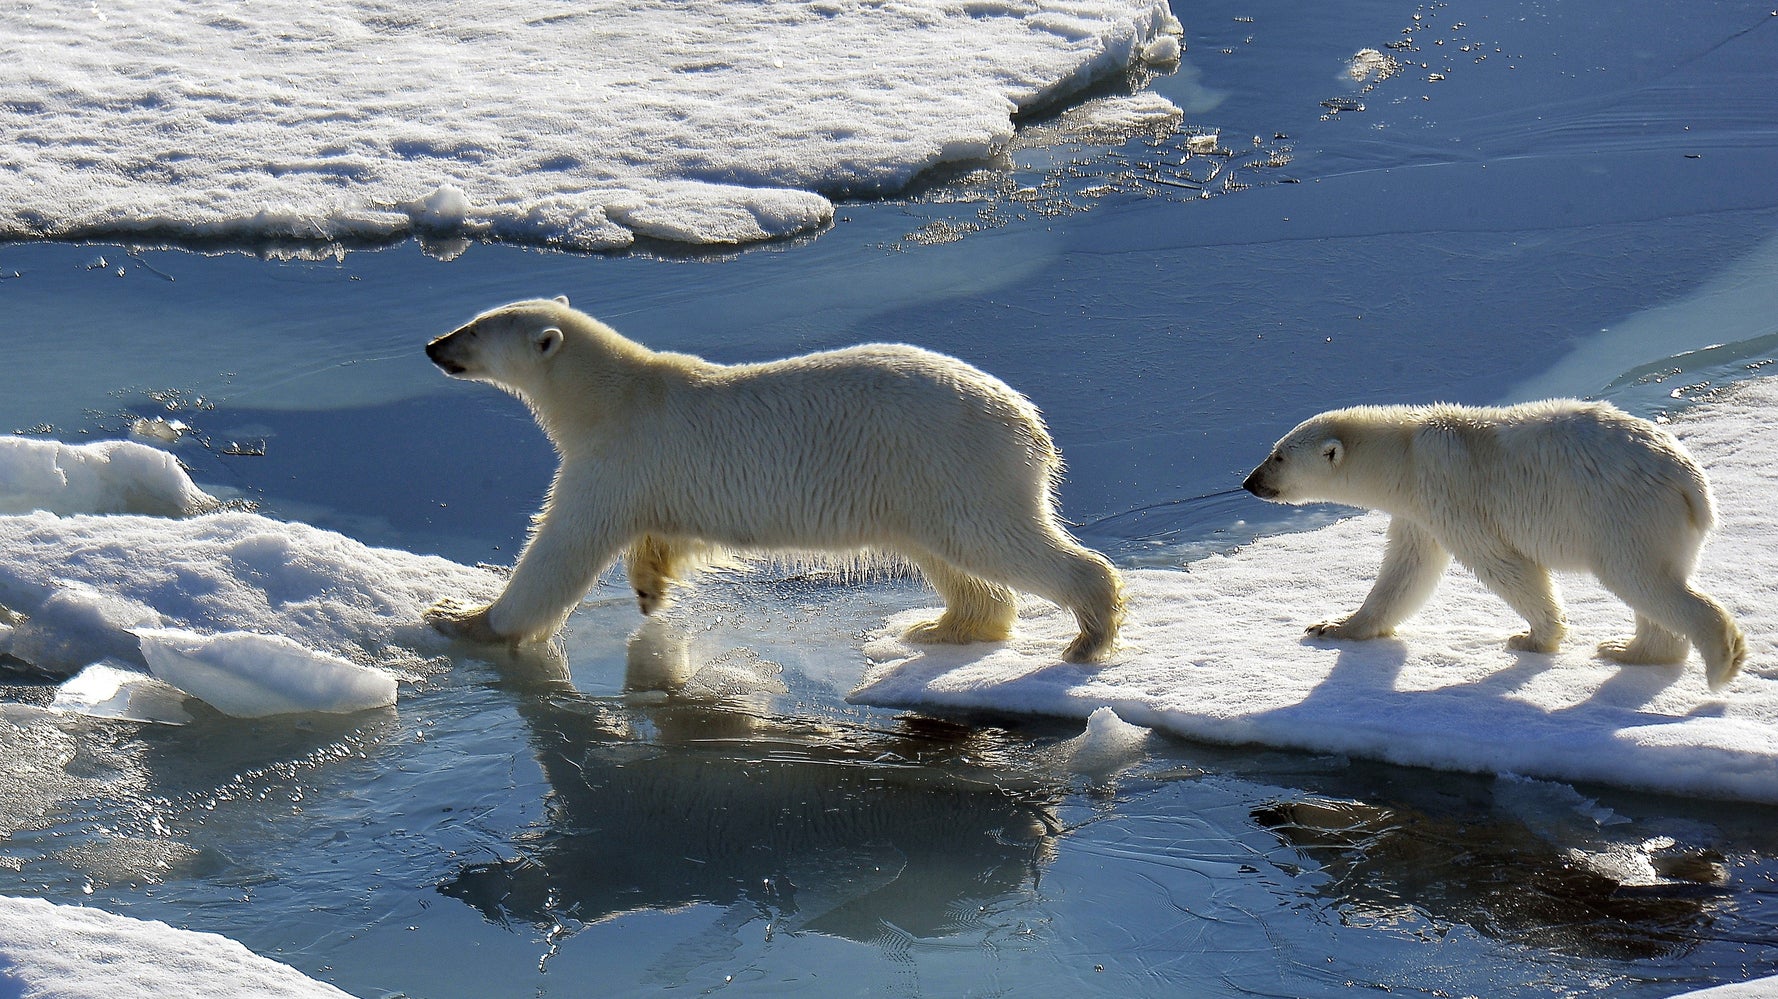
(704, 813)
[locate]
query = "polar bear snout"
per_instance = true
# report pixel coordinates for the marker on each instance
(447, 352)
(1256, 484)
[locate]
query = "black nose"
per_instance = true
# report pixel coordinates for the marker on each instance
(433, 348)
(1256, 487)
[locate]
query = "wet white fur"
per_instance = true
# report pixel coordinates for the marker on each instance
(1512, 493)
(667, 456)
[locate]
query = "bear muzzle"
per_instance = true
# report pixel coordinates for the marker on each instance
(1258, 486)
(441, 351)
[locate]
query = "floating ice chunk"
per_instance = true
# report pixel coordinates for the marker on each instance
(1202, 143)
(105, 690)
(1123, 115)
(250, 676)
(75, 952)
(77, 625)
(1108, 743)
(508, 133)
(695, 212)
(103, 477)
(1370, 65)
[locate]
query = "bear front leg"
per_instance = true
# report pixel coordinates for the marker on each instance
(459, 621)
(572, 541)
(1413, 564)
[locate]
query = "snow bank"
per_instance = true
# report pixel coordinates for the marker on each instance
(225, 572)
(584, 127)
(178, 598)
(102, 477)
(50, 951)
(1217, 653)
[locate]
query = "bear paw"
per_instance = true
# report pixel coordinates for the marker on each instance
(952, 632)
(1345, 628)
(1525, 641)
(651, 600)
(1090, 648)
(1639, 651)
(467, 623)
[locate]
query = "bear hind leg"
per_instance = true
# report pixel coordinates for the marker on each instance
(1651, 645)
(654, 564)
(976, 610)
(1671, 602)
(1044, 561)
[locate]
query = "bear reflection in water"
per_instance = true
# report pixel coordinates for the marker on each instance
(833, 831)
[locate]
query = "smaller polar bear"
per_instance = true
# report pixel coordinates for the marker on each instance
(1514, 492)
(671, 460)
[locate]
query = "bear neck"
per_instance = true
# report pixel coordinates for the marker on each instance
(1379, 472)
(588, 398)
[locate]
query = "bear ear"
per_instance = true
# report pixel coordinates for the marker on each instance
(547, 341)
(563, 299)
(1333, 451)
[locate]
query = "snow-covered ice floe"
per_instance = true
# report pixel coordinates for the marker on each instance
(1217, 653)
(586, 127)
(252, 615)
(101, 477)
(51, 951)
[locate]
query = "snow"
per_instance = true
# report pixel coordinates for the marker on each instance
(50, 951)
(1217, 653)
(102, 477)
(226, 572)
(583, 126)
(254, 616)
(1759, 988)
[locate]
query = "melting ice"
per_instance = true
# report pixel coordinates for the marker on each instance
(582, 127)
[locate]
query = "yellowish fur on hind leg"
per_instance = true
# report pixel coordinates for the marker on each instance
(649, 566)
(975, 609)
(951, 630)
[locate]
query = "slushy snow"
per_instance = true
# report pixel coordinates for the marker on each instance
(584, 127)
(50, 951)
(1217, 653)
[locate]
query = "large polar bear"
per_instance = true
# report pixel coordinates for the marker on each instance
(1514, 492)
(668, 457)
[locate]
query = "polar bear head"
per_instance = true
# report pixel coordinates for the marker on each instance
(1360, 456)
(510, 346)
